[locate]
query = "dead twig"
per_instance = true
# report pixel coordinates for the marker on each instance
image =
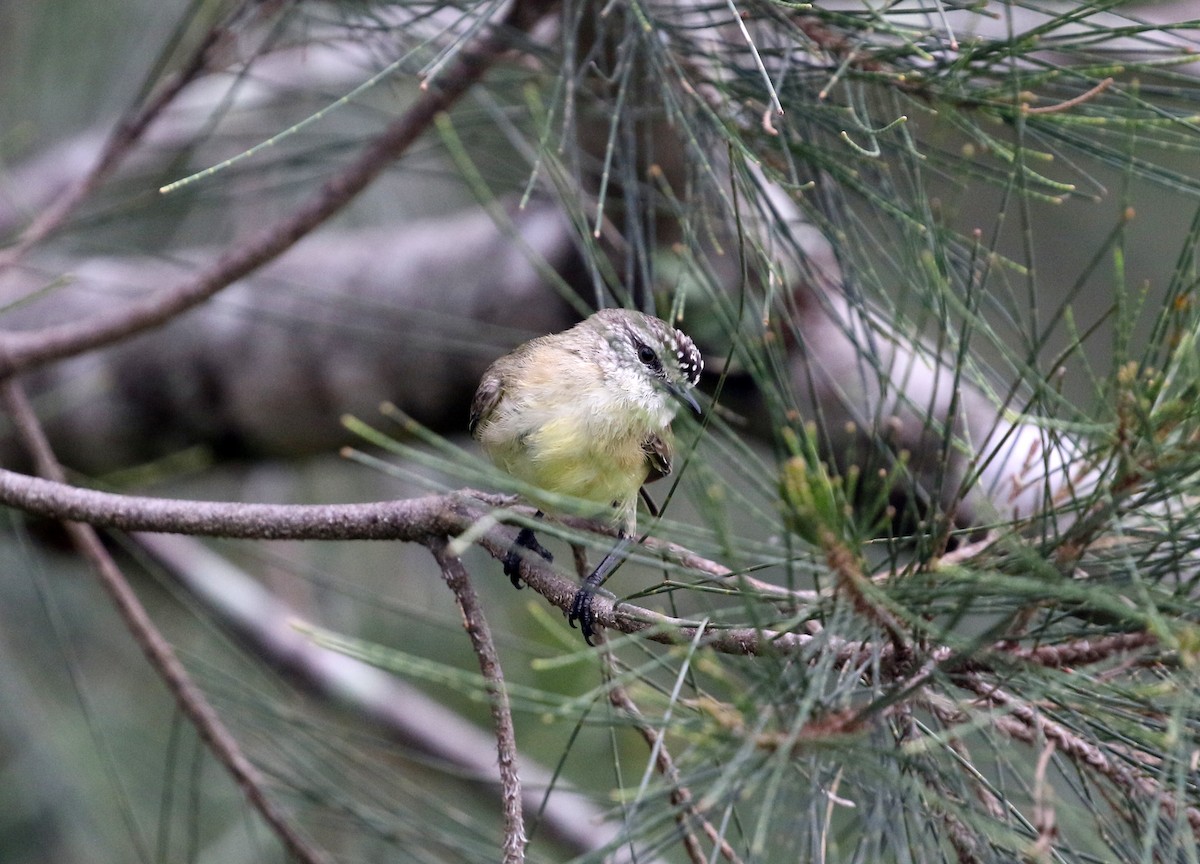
(1070, 103)
(686, 811)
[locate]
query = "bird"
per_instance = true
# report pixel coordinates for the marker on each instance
(587, 413)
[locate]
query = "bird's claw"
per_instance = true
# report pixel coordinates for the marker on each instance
(512, 566)
(512, 558)
(581, 611)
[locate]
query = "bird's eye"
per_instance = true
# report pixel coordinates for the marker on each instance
(646, 355)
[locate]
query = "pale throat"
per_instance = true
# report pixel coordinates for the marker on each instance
(639, 397)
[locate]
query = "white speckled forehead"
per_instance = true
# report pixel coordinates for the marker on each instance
(656, 331)
(687, 355)
(691, 363)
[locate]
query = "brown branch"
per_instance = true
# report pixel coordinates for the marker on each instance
(1081, 652)
(412, 519)
(1043, 816)
(23, 350)
(819, 730)
(156, 648)
(963, 840)
(480, 635)
(420, 519)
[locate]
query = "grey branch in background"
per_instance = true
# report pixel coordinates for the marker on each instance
(344, 322)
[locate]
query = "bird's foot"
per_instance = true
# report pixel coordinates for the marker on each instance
(512, 558)
(582, 611)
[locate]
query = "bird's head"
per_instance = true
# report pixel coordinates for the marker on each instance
(655, 365)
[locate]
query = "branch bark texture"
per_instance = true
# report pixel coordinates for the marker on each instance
(480, 635)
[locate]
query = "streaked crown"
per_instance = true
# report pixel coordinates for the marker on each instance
(642, 341)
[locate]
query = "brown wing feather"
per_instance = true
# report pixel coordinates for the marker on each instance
(658, 457)
(485, 401)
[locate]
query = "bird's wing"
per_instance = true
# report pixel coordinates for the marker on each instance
(486, 398)
(658, 457)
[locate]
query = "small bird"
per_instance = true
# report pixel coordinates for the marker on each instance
(587, 413)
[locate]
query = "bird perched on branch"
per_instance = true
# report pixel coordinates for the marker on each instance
(587, 414)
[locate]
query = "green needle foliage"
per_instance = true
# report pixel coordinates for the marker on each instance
(1013, 683)
(947, 682)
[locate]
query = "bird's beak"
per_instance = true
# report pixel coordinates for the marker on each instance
(684, 396)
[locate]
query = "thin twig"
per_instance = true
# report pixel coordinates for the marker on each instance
(685, 557)
(22, 350)
(820, 730)
(493, 675)
(1070, 103)
(156, 648)
(1044, 817)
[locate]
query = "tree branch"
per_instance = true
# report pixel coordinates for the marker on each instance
(432, 520)
(1081, 750)
(412, 519)
(422, 520)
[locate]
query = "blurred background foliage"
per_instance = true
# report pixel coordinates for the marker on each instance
(906, 274)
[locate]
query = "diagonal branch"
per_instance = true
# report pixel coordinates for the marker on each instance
(155, 646)
(26, 349)
(1030, 721)
(686, 809)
